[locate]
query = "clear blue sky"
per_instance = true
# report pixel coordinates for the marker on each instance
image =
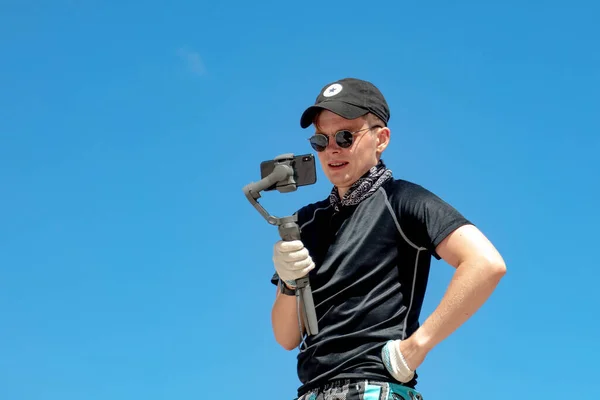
(133, 267)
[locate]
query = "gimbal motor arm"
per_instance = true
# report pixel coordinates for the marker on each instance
(282, 178)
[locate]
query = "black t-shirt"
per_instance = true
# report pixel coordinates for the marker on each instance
(372, 266)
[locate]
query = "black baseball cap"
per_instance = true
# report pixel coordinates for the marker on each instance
(350, 98)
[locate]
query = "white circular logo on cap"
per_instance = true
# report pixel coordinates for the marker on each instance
(332, 90)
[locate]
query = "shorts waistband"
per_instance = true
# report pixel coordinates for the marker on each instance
(345, 382)
(360, 389)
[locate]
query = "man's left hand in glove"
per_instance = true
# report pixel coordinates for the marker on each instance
(401, 358)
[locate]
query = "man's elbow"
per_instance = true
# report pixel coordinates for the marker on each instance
(490, 267)
(287, 343)
(498, 270)
(495, 267)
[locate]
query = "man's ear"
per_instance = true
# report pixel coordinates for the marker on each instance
(383, 139)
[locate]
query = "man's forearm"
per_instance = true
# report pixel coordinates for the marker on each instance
(284, 319)
(472, 284)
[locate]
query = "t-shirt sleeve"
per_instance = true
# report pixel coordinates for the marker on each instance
(427, 219)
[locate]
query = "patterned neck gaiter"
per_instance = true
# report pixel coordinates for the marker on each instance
(362, 188)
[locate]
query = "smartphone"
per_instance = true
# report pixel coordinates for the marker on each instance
(304, 170)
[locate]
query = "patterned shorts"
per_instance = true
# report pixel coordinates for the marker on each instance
(362, 390)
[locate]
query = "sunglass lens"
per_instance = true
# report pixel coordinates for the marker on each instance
(318, 142)
(344, 139)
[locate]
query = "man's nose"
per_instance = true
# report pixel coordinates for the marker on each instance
(332, 146)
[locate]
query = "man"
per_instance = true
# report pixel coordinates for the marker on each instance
(367, 249)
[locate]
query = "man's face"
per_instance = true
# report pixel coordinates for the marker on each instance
(344, 166)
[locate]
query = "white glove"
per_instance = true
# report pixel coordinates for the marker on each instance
(292, 261)
(395, 363)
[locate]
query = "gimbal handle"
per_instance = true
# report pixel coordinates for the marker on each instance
(288, 231)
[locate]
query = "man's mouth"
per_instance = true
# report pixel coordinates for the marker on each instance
(337, 165)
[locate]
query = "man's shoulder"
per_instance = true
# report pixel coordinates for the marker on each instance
(408, 197)
(402, 190)
(399, 184)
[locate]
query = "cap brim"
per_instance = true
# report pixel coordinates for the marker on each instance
(342, 109)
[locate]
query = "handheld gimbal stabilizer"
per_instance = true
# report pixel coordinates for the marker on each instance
(284, 178)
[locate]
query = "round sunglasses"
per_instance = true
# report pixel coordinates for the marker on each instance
(343, 138)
